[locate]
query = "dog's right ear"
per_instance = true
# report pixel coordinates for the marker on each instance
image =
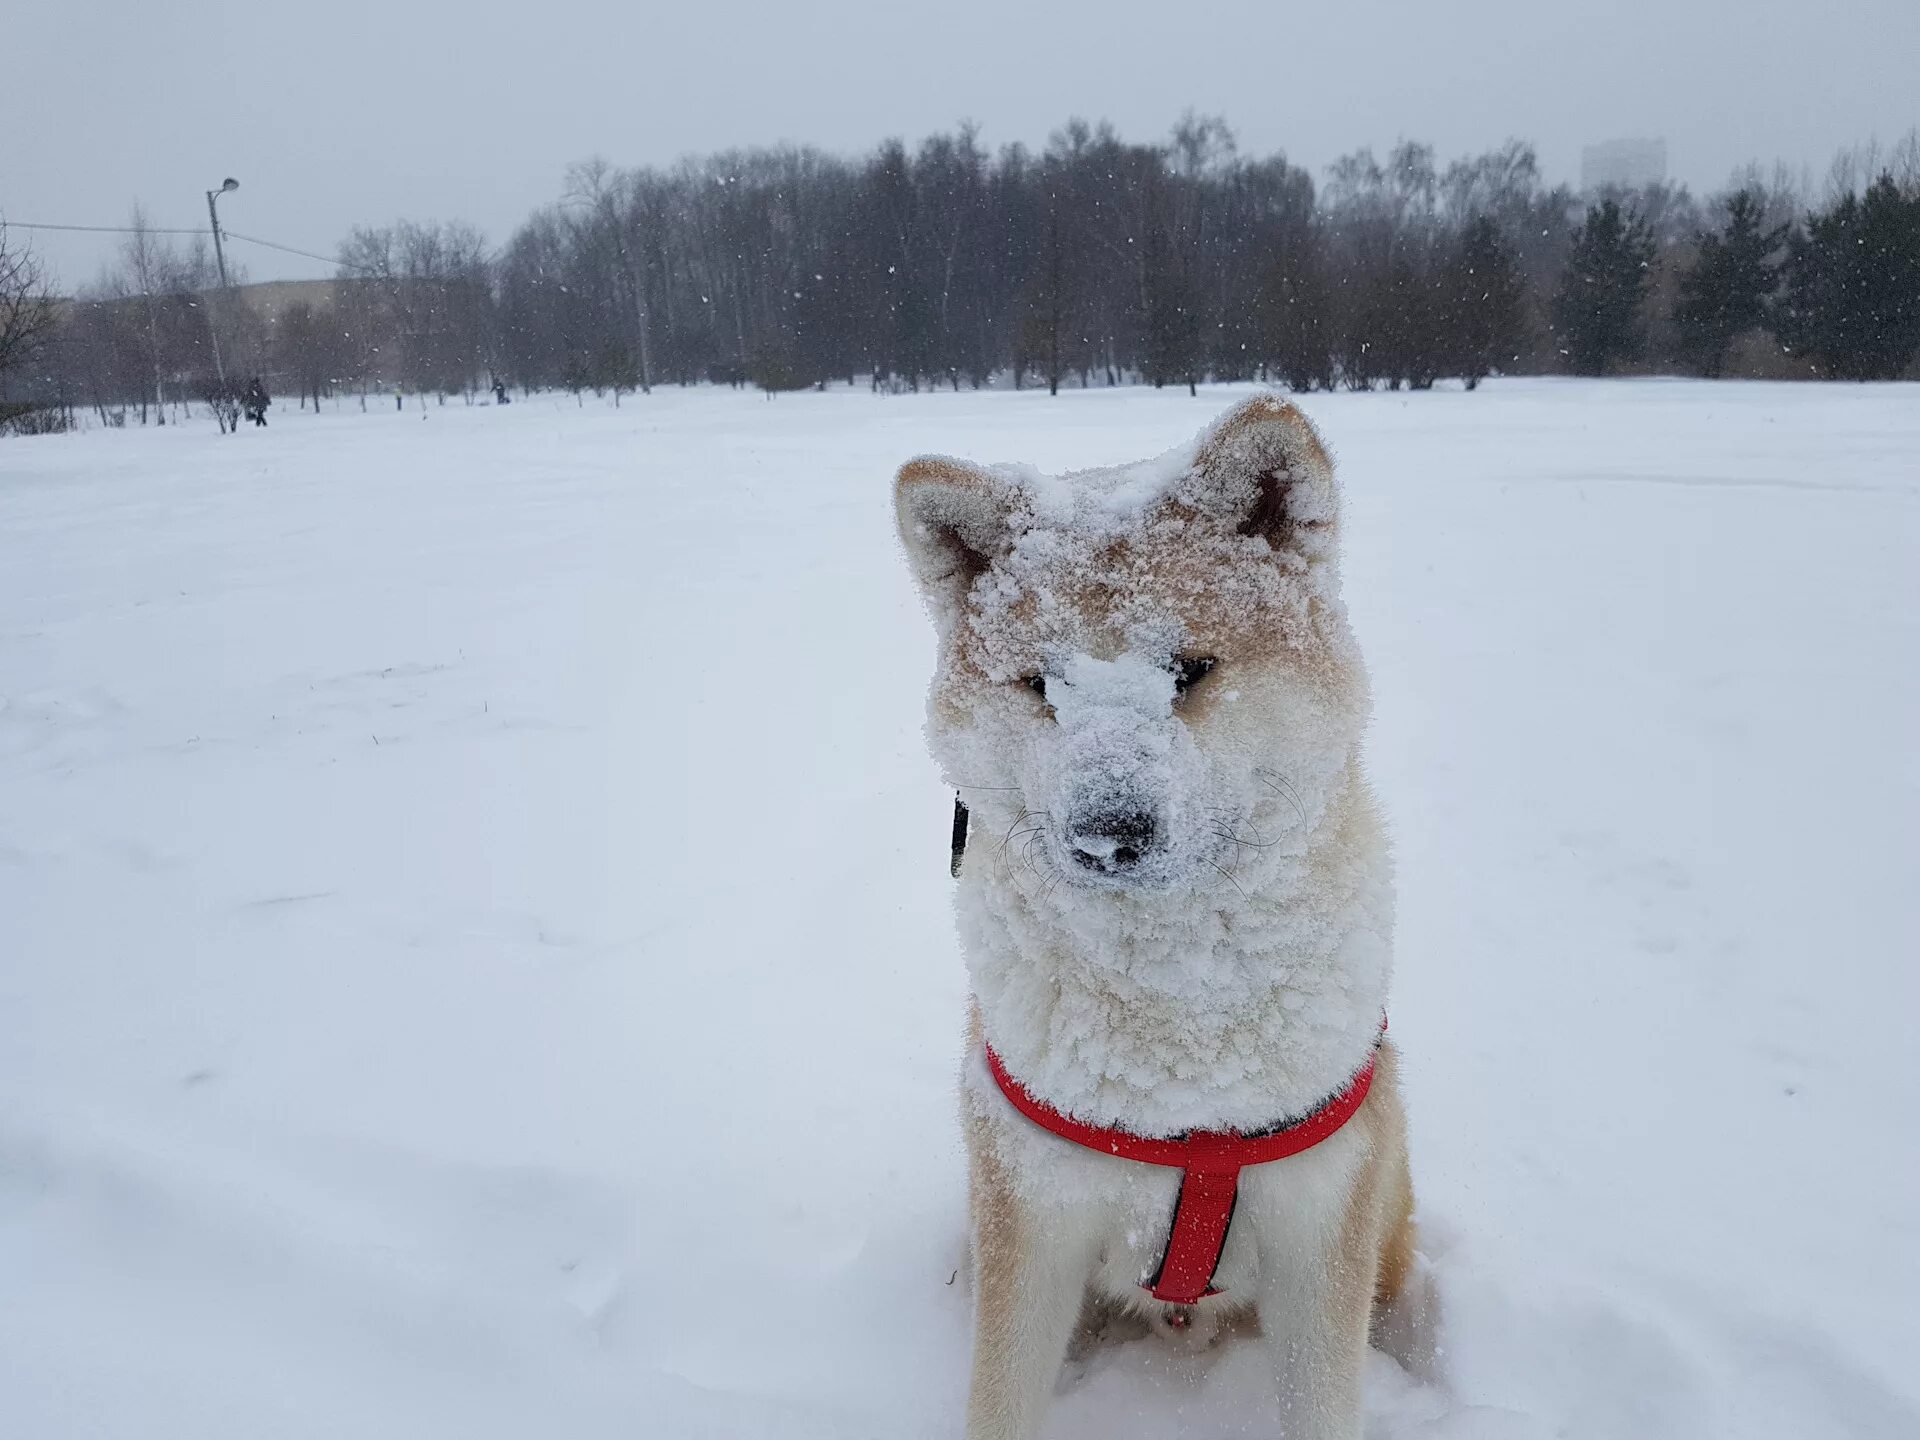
(954, 521)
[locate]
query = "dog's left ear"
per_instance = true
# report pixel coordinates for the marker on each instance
(954, 521)
(1262, 468)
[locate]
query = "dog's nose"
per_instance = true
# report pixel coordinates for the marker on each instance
(1112, 842)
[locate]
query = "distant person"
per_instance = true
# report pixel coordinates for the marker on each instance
(500, 396)
(256, 401)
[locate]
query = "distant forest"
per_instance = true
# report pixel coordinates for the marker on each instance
(1096, 261)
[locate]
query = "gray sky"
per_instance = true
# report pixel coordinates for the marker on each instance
(340, 113)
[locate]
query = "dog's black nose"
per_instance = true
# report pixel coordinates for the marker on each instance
(1113, 841)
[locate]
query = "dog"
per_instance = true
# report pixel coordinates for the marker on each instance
(1177, 921)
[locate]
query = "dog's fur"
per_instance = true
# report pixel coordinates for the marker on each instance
(1178, 911)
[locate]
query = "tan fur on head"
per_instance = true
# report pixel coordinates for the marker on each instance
(953, 519)
(1270, 427)
(1264, 463)
(1260, 470)
(1221, 552)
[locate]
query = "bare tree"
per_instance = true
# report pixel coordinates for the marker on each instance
(1782, 195)
(610, 201)
(1903, 162)
(425, 291)
(142, 254)
(308, 350)
(27, 311)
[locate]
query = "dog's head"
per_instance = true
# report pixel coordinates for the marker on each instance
(1146, 677)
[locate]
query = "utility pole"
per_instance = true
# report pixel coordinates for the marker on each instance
(219, 255)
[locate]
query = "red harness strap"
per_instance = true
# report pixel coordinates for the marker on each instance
(1212, 1161)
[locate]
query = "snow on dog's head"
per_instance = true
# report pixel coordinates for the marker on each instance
(1146, 681)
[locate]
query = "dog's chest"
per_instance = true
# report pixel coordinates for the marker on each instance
(1121, 1211)
(1235, 1022)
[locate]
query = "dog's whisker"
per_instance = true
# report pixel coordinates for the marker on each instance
(1236, 819)
(1018, 821)
(1030, 830)
(1229, 829)
(1014, 877)
(1236, 840)
(1228, 877)
(1029, 857)
(1277, 783)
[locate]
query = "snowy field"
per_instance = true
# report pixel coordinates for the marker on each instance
(475, 957)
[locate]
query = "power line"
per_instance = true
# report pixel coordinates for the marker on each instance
(106, 229)
(291, 250)
(166, 230)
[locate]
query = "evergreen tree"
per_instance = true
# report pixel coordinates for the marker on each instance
(1597, 308)
(1483, 292)
(1853, 285)
(1729, 287)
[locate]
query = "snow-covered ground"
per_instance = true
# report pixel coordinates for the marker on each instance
(475, 959)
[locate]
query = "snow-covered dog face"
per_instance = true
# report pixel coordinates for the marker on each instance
(1146, 677)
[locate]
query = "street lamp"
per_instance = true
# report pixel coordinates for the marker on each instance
(220, 255)
(213, 214)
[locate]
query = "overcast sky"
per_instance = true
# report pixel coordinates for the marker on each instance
(341, 113)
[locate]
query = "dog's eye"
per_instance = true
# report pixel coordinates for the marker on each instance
(1188, 673)
(1037, 684)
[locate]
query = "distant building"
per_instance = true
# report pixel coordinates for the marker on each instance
(270, 299)
(1623, 164)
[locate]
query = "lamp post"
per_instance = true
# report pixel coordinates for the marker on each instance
(213, 215)
(220, 255)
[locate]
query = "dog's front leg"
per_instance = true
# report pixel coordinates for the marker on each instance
(1028, 1300)
(1030, 1276)
(1314, 1313)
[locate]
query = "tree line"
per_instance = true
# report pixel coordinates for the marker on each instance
(155, 333)
(1094, 261)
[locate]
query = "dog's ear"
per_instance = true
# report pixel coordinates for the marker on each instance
(1263, 468)
(954, 521)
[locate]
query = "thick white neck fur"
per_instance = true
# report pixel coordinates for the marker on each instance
(1228, 1006)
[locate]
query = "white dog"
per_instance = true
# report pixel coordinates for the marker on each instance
(1178, 914)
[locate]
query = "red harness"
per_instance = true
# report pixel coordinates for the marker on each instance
(1211, 1161)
